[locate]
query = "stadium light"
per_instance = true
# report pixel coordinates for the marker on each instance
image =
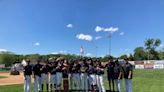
(110, 43)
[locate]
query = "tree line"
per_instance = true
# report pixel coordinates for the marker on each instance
(149, 51)
(152, 50)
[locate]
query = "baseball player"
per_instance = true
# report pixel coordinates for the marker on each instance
(91, 75)
(128, 73)
(27, 76)
(110, 73)
(71, 62)
(44, 75)
(84, 75)
(37, 76)
(65, 70)
(53, 75)
(76, 74)
(100, 76)
(59, 73)
(118, 71)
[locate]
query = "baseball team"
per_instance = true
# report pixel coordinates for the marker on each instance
(84, 74)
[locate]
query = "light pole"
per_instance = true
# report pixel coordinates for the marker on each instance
(148, 55)
(96, 50)
(110, 43)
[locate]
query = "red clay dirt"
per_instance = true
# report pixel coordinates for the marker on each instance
(11, 79)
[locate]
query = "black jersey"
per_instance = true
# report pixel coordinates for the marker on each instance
(36, 69)
(91, 69)
(117, 69)
(76, 68)
(127, 67)
(65, 70)
(52, 69)
(100, 70)
(28, 70)
(45, 69)
(84, 68)
(59, 67)
(110, 68)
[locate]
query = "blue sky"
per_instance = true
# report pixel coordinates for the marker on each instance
(63, 26)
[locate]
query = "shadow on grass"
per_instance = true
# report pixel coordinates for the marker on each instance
(77, 91)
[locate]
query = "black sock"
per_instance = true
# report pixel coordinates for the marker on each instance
(51, 87)
(55, 86)
(47, 87)
(42, 86)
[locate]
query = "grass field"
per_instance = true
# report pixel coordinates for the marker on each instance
(147, 80)
(2, 77)
(4, 71)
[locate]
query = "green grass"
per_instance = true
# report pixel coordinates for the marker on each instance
(147, 80)
(4, 71)
(2, 77)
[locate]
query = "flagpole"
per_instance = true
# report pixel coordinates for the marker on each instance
(81, 51)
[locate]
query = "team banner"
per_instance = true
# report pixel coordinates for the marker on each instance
(158, 66)
(139, 66)
(148, 66)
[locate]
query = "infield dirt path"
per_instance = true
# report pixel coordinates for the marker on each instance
(11, 79)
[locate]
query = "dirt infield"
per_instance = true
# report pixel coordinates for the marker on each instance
(17, 79)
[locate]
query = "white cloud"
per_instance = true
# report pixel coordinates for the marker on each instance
(69, 25)
(84, 37)
(111, 29)
(108, 29)
(98, 29)
(60, 52)
(89, 54)
(161, 46)
(122, 33)
(98, 37)
(54, 53)
(128, 54)
(3, 50)
(126, 50)
(37, 44)
(102, 56)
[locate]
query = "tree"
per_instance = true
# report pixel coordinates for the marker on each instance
(33, 57)
(161, 54)
(123, 56)
(8, 58)
(139, 53)
(106, 58)
(131, 57)
(151, 45)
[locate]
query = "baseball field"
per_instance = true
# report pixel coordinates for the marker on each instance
(146, 80)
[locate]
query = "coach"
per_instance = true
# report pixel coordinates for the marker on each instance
(128, 72)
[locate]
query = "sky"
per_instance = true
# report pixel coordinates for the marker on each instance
(63, 26)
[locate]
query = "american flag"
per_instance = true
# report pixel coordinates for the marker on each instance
(81, 50)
